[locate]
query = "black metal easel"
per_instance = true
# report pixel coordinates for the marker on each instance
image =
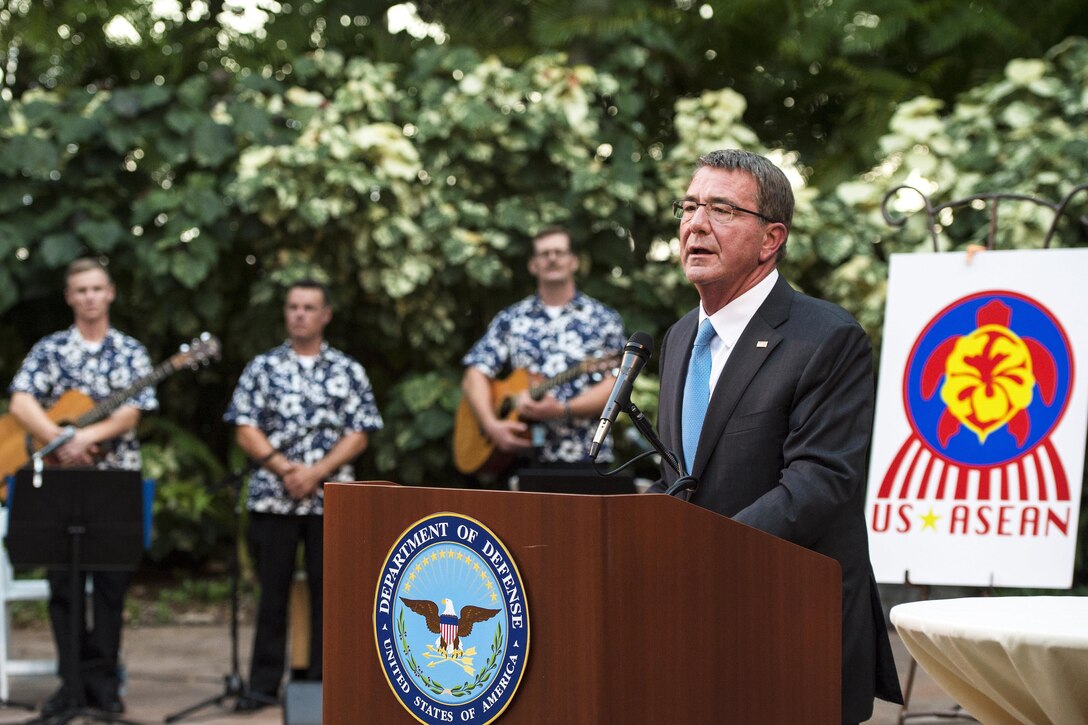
(992, 201)
(79, 520)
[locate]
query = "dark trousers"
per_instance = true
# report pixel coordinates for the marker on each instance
(274, 540)
(99, 636)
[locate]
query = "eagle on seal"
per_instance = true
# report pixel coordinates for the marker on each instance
(449, 625)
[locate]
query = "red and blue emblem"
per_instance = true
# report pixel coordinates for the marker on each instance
(986, 384)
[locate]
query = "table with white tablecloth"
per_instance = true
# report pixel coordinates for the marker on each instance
(1005, 659)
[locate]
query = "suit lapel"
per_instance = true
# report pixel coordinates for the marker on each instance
(744, 363)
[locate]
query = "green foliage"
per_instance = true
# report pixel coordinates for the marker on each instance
(412, 185)
(1023, 134)
(821, 78)
(29, 613)
(191, 515)
(414, 445)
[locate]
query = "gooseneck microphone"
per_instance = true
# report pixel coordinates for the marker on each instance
(635, 354)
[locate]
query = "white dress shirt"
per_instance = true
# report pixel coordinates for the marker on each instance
(729, 322)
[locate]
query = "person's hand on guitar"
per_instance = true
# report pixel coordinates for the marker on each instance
(484, 437)
(509, 436)
(81, 450)
(547, 408)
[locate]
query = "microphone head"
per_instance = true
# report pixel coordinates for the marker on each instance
(640, 344)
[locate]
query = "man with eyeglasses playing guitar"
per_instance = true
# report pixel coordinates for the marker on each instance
(95, 359)
(560, 345)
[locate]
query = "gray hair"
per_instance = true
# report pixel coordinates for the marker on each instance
(773, 192)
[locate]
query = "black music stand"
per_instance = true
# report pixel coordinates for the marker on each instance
(572, 478)
(79, 519)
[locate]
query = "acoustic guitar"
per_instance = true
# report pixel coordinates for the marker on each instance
(473, 451)
(79, 410)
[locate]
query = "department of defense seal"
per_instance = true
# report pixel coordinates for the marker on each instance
(451, 622)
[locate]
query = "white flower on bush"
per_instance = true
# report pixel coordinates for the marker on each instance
(567, 89)
(857, 193)
(337, 141)
(1023, 71)
(574, 102)
(723, 106)
(397, 156)
(1020, 115)
(917, 120)
(358, 94)
(488, 74)
(713, 121)
(302, 97)
(920, 161)
(329, 62)
(472, 85)
(253, 160)
(788, 161)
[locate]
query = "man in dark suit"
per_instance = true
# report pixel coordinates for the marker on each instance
(786, 384)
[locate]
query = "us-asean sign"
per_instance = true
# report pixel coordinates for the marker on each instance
(978, 448)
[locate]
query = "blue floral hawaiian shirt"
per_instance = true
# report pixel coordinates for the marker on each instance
(525, 335)
(304, 411)
(64, 361)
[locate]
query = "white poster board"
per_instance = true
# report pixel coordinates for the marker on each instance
(982, 407)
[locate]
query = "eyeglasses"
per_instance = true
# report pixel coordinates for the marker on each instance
(549, 253)
(718, 211)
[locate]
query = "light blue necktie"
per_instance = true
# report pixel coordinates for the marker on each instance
(696, 392)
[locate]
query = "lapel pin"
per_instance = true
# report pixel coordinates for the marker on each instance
(761, 343)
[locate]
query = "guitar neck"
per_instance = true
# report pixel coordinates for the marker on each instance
(536, 392)
(107, 405)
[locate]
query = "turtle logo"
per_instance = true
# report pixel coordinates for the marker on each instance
(989, 377)
(987, 382)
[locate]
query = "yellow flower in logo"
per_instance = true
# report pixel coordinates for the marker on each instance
(988, 379)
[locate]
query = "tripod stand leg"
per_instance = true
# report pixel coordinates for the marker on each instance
(232, 682)
(232, 687)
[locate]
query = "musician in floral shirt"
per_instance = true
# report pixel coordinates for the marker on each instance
(547, 334)
(95, 359)
(303, 413)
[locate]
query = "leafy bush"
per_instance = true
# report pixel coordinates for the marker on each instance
(413, 188)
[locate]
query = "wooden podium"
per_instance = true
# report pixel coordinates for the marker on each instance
(642, 609)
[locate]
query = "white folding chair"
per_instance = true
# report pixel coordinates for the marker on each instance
(17, 590)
